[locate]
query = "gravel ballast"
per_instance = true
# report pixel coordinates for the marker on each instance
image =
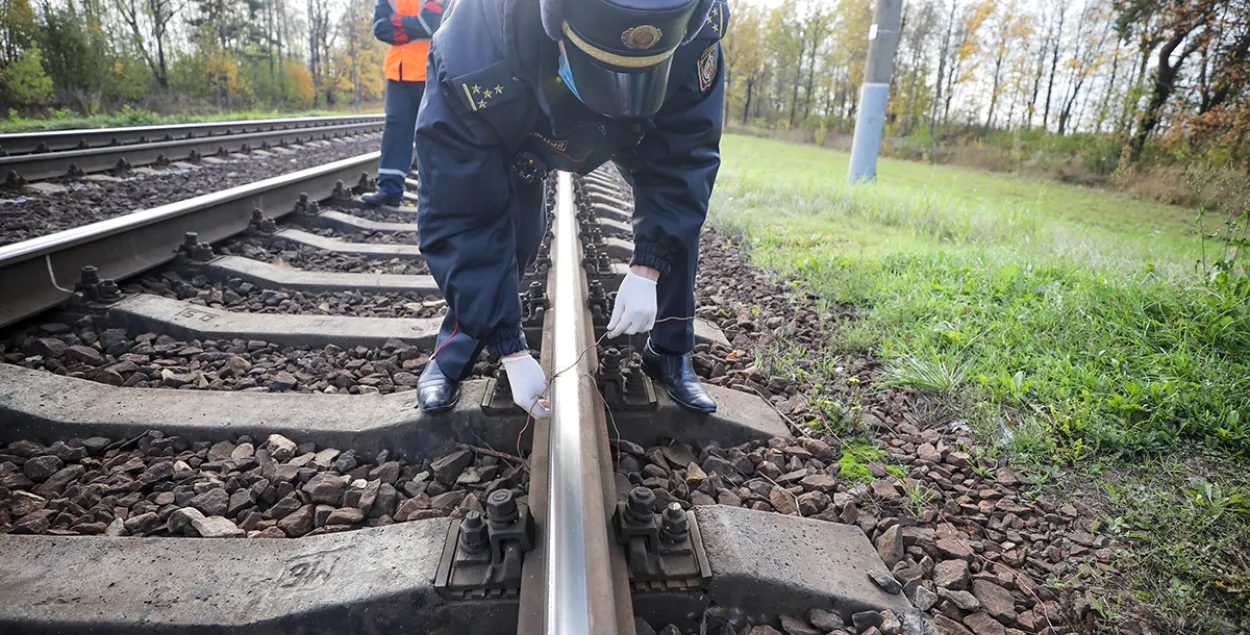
(257, 488)
(29, 213)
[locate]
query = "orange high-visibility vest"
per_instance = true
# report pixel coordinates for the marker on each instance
(406, 62)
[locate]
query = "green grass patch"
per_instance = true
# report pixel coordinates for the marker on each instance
(127, 116)
(1187, 523)
(1064, 324)
(1080, 315)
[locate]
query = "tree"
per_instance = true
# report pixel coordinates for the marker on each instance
(1181, 27)
(149, 22)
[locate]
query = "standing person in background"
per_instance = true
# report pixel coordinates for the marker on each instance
(407, 25)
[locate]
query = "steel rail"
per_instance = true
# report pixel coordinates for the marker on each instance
(38, 274)
(36, 167)
(583, 582)
(84, 138)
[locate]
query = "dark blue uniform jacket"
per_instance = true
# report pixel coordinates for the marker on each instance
(493, 92)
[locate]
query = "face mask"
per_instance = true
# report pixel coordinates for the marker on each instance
(567, 75)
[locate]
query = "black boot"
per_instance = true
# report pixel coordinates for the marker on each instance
(437, 392)
(677, 374)
(379, 198)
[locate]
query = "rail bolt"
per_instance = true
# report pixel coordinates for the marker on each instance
(501, 508)
(473, 536)
(640, 508)
(89, 275)
(673, 525)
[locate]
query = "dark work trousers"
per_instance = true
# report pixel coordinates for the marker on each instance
(456, 352)
(674, 297)
(403, 99)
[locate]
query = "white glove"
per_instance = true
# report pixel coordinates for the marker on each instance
(529, 384)
(635, 307)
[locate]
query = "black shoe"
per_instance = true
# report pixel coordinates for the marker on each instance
(677, 374)
(379, 198)
(437, 392)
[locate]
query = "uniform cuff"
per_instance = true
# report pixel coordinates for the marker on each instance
(651, 255)
(506, 341)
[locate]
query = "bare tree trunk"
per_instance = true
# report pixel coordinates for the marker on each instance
(1054, 64)
(746, 108)
(941, 74)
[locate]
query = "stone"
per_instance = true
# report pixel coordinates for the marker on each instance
(180, 521)
(947, 626)
(243, 451)
(886, 491)
(962, 599)
(951, 574)
(116, 528)
(345, 516)
(40, 468)
(763, 630)
(795, 626)
(924, 598)
(983, 624)
(996, 600)
(447, 468)
(387, 472)
(57, 483)
(890, 624)
(447, 501)
(886, 581)
(217, 527)
(695, 476)
(23, 503)
(282, 382)
(269, 532)
(86, 355)
(326, 488)
(954, 548)
(50, 347)
(280, 448)
(820, 482)
(812, 503)
(867, 619)
(782, 501)
(297, 523)
(142, 524)
(890, 546)
(284, 507)
(214, 502)
(825, 620)
(36, 522)
(325, 458)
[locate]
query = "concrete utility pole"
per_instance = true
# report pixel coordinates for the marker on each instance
(875, 95)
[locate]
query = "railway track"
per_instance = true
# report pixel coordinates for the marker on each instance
(476, 521)
(38, 156)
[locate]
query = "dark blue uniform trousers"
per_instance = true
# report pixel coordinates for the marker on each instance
(456, 352)
(403, 100)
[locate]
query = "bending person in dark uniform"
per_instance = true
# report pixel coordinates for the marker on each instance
(521, 87)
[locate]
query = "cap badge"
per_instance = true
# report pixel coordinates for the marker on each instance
(641, 38)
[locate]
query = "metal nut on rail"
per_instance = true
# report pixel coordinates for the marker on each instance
(501, 509)
(640, 507)
(473, 534)
(673, 524)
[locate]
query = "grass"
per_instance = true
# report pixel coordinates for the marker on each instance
(127, 116)
(1065, 324)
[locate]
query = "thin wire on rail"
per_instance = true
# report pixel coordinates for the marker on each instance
(530, 412)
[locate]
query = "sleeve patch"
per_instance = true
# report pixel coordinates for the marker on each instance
(486, 88)
(717, 21)
(708, 63)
